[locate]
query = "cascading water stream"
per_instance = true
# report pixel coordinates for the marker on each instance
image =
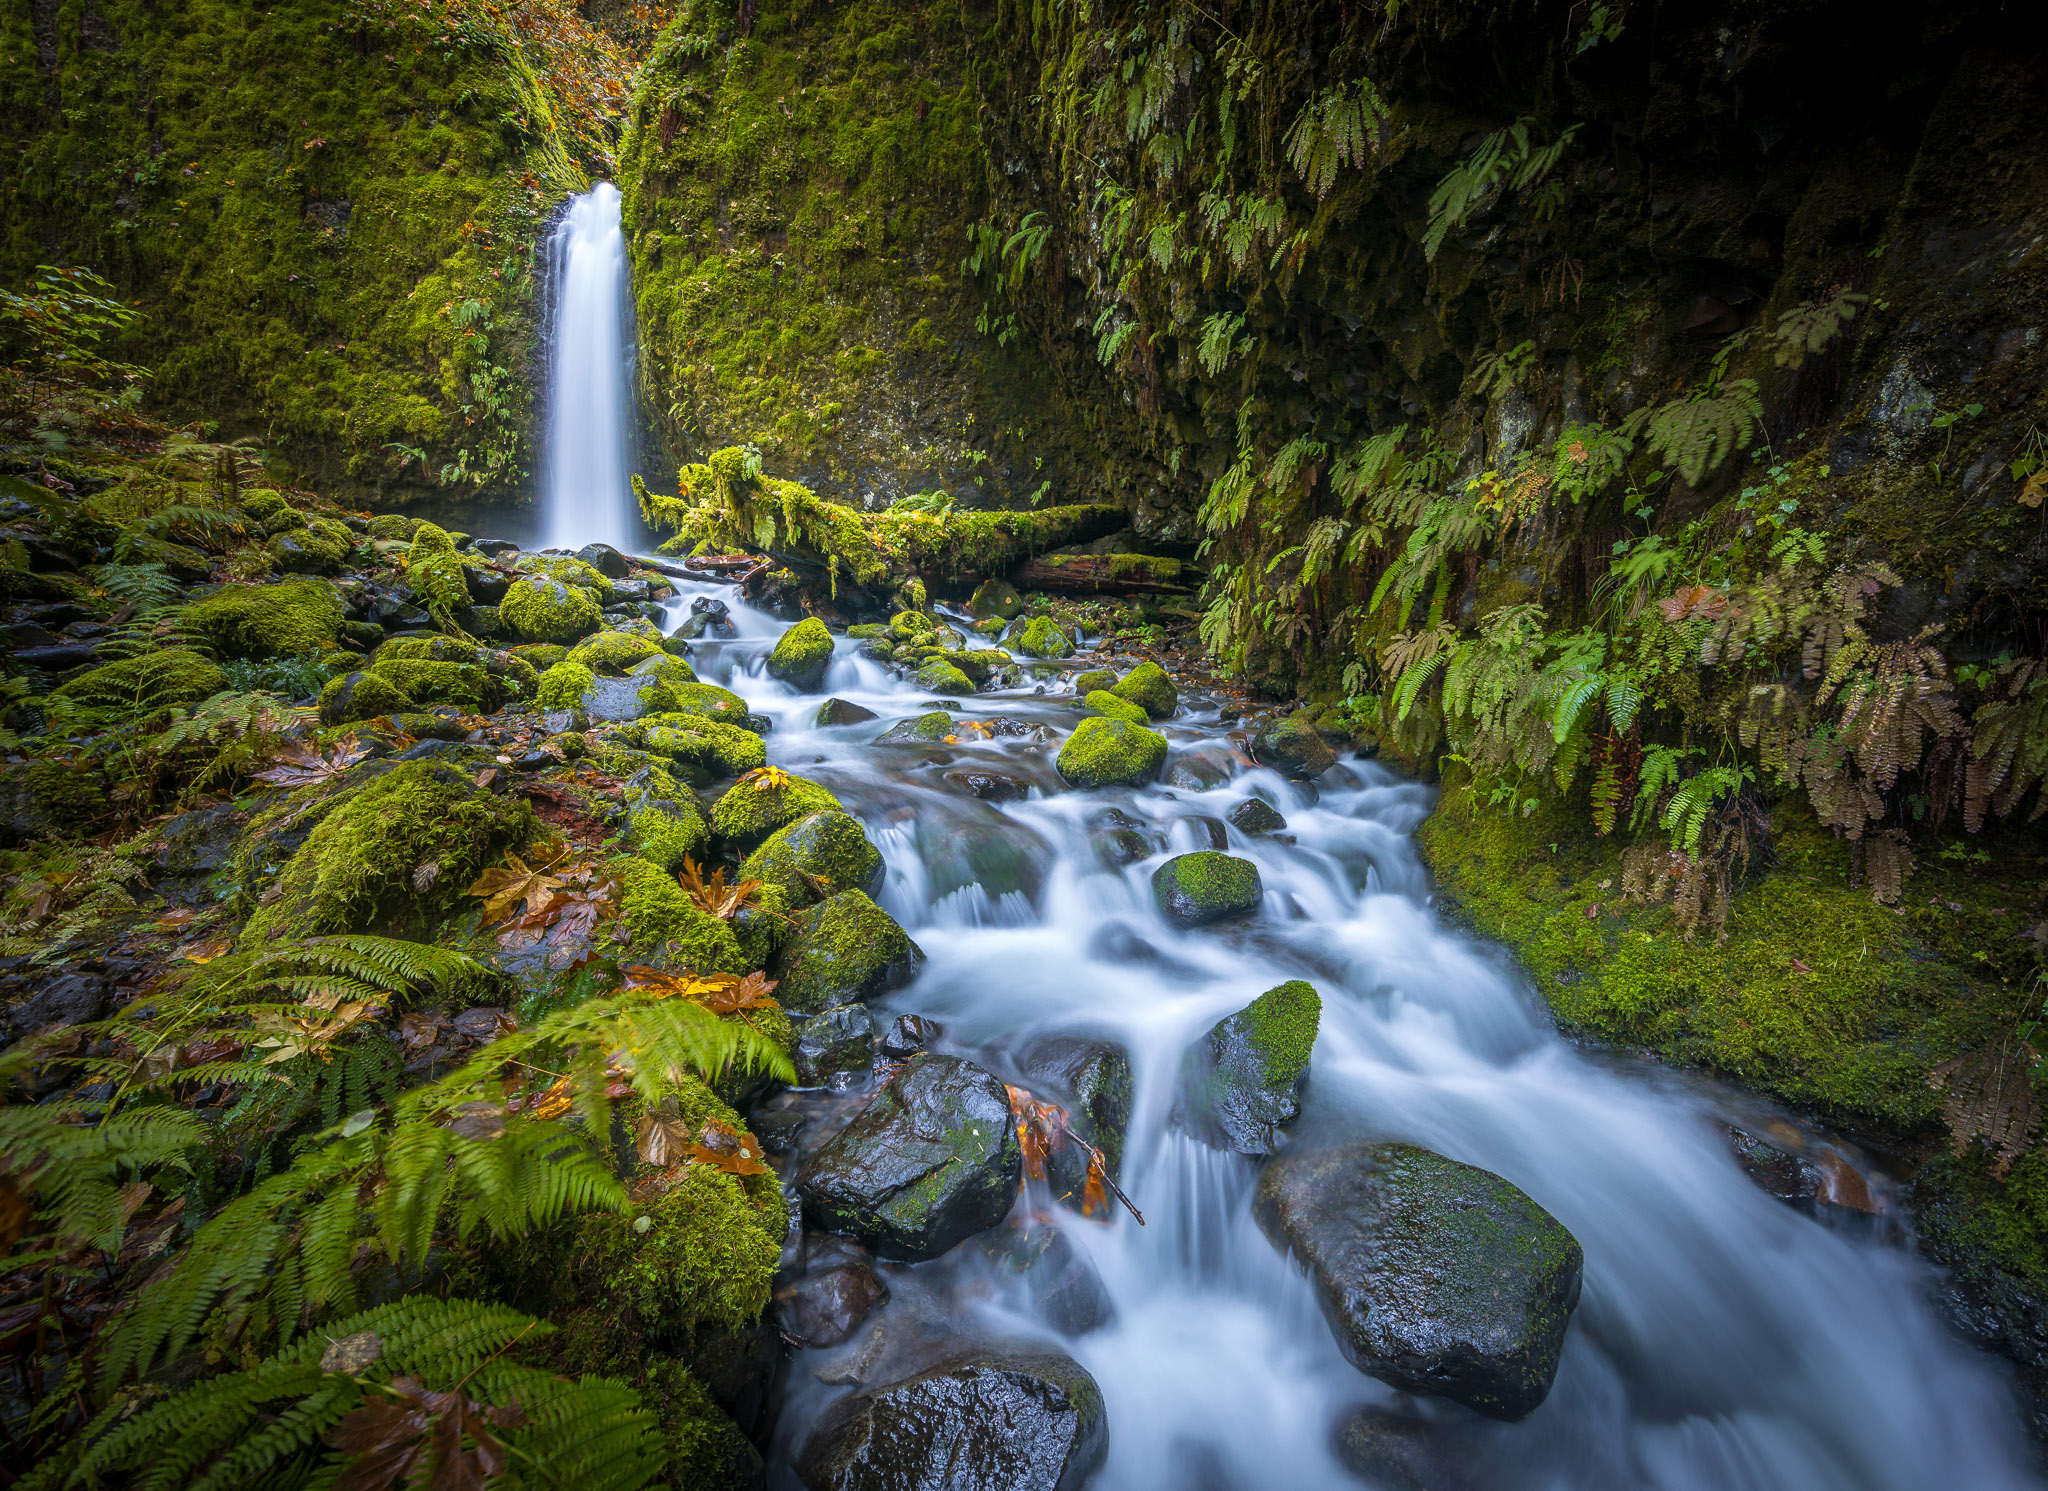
(586, 489)
(1724, 1342)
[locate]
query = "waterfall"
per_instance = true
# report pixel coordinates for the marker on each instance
(586, 488)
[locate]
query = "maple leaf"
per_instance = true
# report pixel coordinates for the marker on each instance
(735, 994)
(391, 1440)
(514, 883)
(329, 1017)
(205, 952)
(714, 896)
(302, 765)
(553, 1102)
(735, 1153)
(765, 779)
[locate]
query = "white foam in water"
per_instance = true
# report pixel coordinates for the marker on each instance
(586, 491)
(1724, 1342)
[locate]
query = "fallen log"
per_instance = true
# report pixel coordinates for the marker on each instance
(1118, 574)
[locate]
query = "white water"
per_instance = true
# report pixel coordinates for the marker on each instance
(586, 490)
(1724, 1342)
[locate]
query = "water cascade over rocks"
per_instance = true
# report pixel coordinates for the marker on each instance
(586, 486)
(1395, 1230)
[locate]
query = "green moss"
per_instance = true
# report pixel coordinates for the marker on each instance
(707, 749)
(427, 650)
(846, 948)
(296, 618)
(934, 726)
(815, 856)
(707, 700)
(1104, 702)
(362, 866)
(570, 571)
(1042, 637)
(265, 507)
(541, 655)
(69, 797)
(320, 547)
(1105, 752)
(1281, 1024)
(394, 528)
(909, 626)
(937, 676)
(435, 571)
(746, 815)
(663, 923)
(538, 609)
(802, 655)
(564, 685)
(362, 696)
(465, 685)
(140, 687)
(995, 599)
(613, 653)
(1148, 687)
(671, 687)
(668, 832)
(1093, 679)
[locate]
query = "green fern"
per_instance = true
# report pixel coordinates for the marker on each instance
(1695, 434)
(1685, 816)
(1334, 129)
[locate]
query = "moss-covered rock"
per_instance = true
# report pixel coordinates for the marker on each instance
(1102, 701)
(540, 656)
(614, 653)
(801, 655)
(320, 547)
(576, 573)
(995, 598)
(912, 626)
(703, 749)
(427, 650)
(140, 687)
(1095, 678)
(362, 696)
(564, 685)
(1243, 1081)
(296, 618)
(1104, 752)
(676, 695)
(1044, 637)
(816, 856)
(539, 609)
(469, 687)
(937, 676)
(434, 570)
(1290, 745)
(844, 949)
(934, 726)
(65, 797)
(746, 814)
(1206, 886)
(1435, 1276)
(1148, 687)
(663, 924)
(367, 863)
(666, 831)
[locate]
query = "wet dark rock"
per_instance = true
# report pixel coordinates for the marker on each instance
(61, 1000)
(57, 658)
(26, 634)
(843, 712)
(1435, 1276)
(989, 786)
(1191, 890)
(1243, 1081)
(635, 592)
(1119, 942)
(615, 700)
(1065, 1290)
(487, 586)
(1255, 816)
(816, 855)
(1822, 1184)
(194, 848)
(1402, 1453)
(930, 1162)
(1209, 832)
(844, 949)
(534, 760)
(908, 1036)
(830, 1300)
(606, 560)
(936, 725)
(999, 1421)
(1091, 1079)
(1292, 747)
(833, 1043)
(1117, 847)
(494, 548)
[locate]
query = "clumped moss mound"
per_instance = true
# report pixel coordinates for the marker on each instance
(139, 687)
(539, 609)
(746, 814)
(1102, 701)
(1105, 752)
(295, 618)
(802, 654)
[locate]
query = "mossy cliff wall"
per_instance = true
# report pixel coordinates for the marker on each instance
(326, 209)
(800, 194)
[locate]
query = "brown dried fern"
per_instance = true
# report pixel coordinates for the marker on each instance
(1988, 1095)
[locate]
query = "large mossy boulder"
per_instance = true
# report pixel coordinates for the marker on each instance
(702, 749)
(1291, 746)
(801, 655)
(671, 694)
(1149, 687)
(471, 688)
(612, 653)
(662, 924)
(1435, 1276)
(1104, 752)
(146, 685)
(1192, 890)
(1243, 1080)
(995, 597)
(846, 948)
(1000, 1421)
(390, 853)
(1102, 701)
(320, 546)
(539, 609)
(815, 856)
(931, 1161)
(362, 696)
(295, 618)
(750, 812)
(937, 676)
(1044, 637)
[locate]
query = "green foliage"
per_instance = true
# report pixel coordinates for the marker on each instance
(1334, 129)
(1507, 157)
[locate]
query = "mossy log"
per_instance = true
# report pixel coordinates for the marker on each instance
(1116, 574)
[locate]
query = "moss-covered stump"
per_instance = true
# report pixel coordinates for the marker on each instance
(391, 852)
(1243, 1081)
(1104, 752)
(801, 655)
(362, 696)
(294, 618)
(139, 688)
(816, 856)
(931, 1161)
(1193, 889)
(538, 609)
(842, 950)
(1291, 746)
(663, 925)
(1434, 1276)
(748, 813)
(1044, 637)
(937, 676)
(1103, 702)
(1148, 687)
